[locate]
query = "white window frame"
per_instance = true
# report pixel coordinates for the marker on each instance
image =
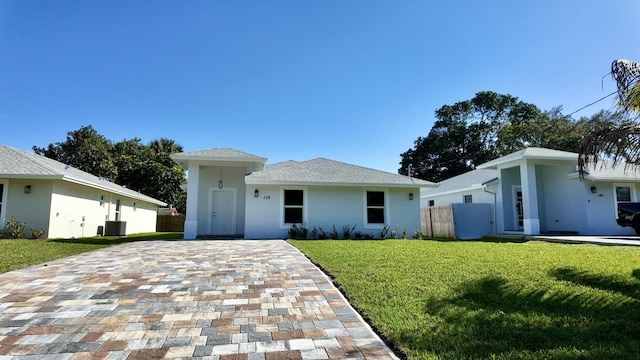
(632, 190)
(375, 226)
(118, 210)
(3, 202)
(305, 205)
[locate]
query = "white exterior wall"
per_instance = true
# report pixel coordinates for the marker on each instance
(58, 207)
(479, 196)
(76, 211)
(562, 200)
(601, 208)
(32, 208)
(327, 206)
(140, 216)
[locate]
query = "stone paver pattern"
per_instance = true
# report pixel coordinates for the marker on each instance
(235, 299)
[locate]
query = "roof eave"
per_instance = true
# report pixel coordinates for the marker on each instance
(311, 183)
(132, 194)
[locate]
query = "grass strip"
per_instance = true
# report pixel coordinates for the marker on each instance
(492, 300)
(17, 254)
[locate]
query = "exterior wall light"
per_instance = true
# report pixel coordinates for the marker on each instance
(410, 196)
(220, 184)
(256, 193)
(594, 190)
(27, 189)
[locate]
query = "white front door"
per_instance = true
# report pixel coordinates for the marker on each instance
(223, 212)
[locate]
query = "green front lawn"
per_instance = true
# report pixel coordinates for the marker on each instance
(17, 254)
(492, 300)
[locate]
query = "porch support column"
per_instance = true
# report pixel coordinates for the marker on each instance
(191, 222)
(531, 220)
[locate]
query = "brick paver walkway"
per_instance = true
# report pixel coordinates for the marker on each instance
(181, 299)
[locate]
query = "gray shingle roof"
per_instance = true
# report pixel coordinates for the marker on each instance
(218, 154)
(471, 179)
(20, 164)
(322, 171)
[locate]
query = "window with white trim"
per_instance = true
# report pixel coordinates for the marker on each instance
(376, 202)
(623, 193)
(293, 206)
(118, 212)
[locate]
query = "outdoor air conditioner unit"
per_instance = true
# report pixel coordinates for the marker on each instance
(115, 228)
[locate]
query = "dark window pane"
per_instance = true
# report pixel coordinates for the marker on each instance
(375, 198)
(293, 215)
(293, 197)
(375, 216)
(623, 193)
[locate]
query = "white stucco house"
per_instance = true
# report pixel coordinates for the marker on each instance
(233, 193)
(66, 202)
(538, 191)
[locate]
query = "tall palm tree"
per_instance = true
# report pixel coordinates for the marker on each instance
(618, 143)
(164, 146)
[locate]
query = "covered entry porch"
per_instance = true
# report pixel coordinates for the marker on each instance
(216, 191)
(536, 194)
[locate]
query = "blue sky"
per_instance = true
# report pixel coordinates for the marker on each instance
(354, 81)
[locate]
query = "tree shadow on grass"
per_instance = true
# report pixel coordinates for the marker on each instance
(605, 282)
(496, 318)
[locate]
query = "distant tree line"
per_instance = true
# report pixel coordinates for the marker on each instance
(144, 168)
(471, 132)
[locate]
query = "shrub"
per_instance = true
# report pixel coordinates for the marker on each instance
(13, 229)
(303, 231)
(333, 235)
(293, 231)
(394, 233)
(36, 233)
(384, 232)
(347, 230)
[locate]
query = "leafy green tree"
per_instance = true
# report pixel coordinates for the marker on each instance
(139, 167)
(84, 149)
(491, 125)
(464, 135)
(143, 169)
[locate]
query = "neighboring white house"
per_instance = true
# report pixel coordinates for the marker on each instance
(538, 191)
(232, 193)
(66, 202)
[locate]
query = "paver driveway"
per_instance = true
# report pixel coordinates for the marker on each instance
(181, 299)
